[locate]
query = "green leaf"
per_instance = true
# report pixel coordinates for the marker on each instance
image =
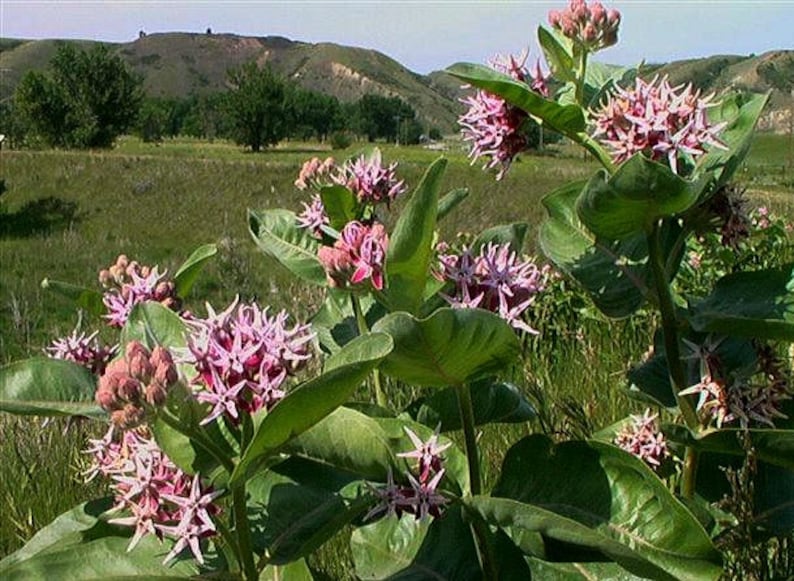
(340, 205)
(579, 571)
(450, 201)
(187, 274)
(80, 545)
(612, 273)
(85, 298)
(335, 323)
(493, 402)
(411, 243)
(42, 386)
(450, 347)
(637, 195)
(566, 119)
(312, 401)
(650, 382)
(758, 304)
(297, 505)
(295, 571)
(407, 549)
(741, 112)
(154, 324)
(596, 495)
(277, 234)
(773, 446)
(558, 52)
(513, 234)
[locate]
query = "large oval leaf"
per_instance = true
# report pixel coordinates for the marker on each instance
(85, 298)
(80, 545)
(630, 201)
(314, 400)
(566, 119)
(276, 233)
(48, 387)
(604, 498)
(757, 304)
(450, 347)
(450, 201)
(411, 243)
(513, 234)
(186, 275)
(340, 205)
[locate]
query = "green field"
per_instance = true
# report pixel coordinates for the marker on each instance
(65, 215)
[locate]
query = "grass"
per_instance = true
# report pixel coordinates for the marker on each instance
(67, 214)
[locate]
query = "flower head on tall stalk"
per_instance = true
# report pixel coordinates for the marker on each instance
(83, 350)
(661, 122)
(592, 27)
(642, 438)
(161, 499)
(358, 256)
(495, 279)
(243, 356)
(128, 283)
(494, 128)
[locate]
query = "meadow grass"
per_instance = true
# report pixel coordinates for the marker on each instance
(67, 214)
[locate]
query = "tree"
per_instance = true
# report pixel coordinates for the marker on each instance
(86, 99)
(256, 106)
(385, 118)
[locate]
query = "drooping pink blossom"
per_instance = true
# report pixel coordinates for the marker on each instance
(157, 497)
(83, 350)
(642, 438)
(495, 279)
(357, 256)
(494, 128)
(593, 27)
(243, 356)
(661, 122)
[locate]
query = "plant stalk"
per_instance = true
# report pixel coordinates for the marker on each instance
(481, 533)
(198, 437)
(243, 532)
(363, 329)
(673, 353)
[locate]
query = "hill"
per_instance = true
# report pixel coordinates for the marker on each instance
(179, 64)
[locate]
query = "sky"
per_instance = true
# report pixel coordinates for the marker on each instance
(424, 35)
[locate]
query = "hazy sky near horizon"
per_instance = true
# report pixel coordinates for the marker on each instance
(422, 35)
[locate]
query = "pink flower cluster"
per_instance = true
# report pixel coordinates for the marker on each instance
(128, 284)
(421, 498)
(242, 357)
(313, 217)
(85, 351)
(317, 173)
(161, 499)
(495, 279)
(738, 398)
(370, 180)
(132, 383)
(357, 256)
(494, 127)
(643, 439)
(659, 121)
(592, 27)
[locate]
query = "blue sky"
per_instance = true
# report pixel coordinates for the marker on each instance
(423, 35)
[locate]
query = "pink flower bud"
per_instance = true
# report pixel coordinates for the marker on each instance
(135, 348)
(122, 261)
(140, 368)
(165, 374)
(129, 389)
(598, 13)
(613, 17)
(161, 355)
(105, 278)
(589, 34)
(554, 18)
(155, 394)
(132, 268)
(105, 397)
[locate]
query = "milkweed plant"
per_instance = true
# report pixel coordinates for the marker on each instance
(234, 446)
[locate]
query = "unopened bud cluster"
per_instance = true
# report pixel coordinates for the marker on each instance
(128, 283)
(140, 379)
(593, 27)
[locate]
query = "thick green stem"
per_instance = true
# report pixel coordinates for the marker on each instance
(243, 532)
(481, 533)
(363, 329)
(673, 353)
(581, 75)
(199, 438)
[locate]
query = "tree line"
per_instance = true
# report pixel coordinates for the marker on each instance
(87, 98)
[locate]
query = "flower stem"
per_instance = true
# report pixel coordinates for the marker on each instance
(581, 74)
(199, 438)
(481, 533)
(242, 529)
(673, 352)
(363, 329)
